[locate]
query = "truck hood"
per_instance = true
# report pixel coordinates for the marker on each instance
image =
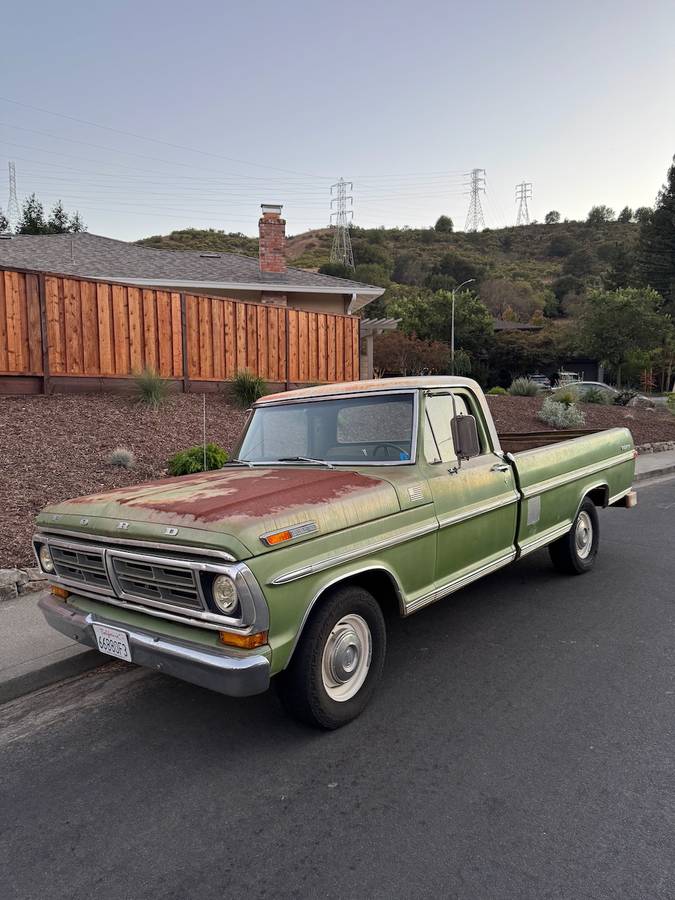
(242, 503)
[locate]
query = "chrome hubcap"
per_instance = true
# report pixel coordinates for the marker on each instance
(583, 535)
(346, 657)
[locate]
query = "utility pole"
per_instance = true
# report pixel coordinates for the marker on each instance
(13, 214)
(476, 185)
(523, 194)
(341, 251)
(452, 325)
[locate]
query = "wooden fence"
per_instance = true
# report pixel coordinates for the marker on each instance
(54, 327)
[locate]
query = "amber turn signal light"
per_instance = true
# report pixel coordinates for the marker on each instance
(279, 537)
(243, 641)
(60, 592)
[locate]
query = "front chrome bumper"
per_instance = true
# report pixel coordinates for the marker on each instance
(236, 676)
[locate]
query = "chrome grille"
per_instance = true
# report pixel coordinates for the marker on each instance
(157, 582)
(86, 566)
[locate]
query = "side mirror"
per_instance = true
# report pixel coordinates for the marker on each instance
(465, 435)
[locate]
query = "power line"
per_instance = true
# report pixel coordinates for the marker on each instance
(13, 213)
(341, 251)
(474, 217)
(523, 194)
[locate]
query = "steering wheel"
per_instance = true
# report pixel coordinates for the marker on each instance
(385, 445)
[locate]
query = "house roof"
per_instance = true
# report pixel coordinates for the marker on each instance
(93, 256)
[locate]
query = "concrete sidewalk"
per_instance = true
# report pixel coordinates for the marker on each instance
(33, 655)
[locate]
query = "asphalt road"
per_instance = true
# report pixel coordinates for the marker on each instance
(521, 745)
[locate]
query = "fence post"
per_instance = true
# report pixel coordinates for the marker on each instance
(46, 386)
(183, 341)
(288, 352)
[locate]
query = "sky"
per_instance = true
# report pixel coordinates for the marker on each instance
(152, 116)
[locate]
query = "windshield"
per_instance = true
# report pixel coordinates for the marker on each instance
(361, 430)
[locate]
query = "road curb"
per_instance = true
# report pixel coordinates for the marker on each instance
(50, 674)
(654, 473)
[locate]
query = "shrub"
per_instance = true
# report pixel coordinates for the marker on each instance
(624, 397)
(121, 457)
(498, 391)
(523, 387)
(248, 388)
(567, 396)
(187, 462)
(151, 388)
(558, 415)
(670, 402)
(594, 395)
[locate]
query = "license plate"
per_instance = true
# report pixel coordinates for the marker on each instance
(113, 642)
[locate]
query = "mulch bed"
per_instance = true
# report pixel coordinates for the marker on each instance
(53, 448)
(646, 425)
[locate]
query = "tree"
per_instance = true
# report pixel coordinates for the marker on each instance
(656, 247)
(626, 215)
(616, 324)
(643, 214)
(396, 353)
(429, 316)
(498, 294)
(552, 218)
(33, 220)
(562, 245)
(337, 270)
(4, 222)
(409, 268)
(599, 215)
(580, 263)
(455, 268)
(444, 224)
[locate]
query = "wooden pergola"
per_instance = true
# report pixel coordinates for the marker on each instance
(369, 328)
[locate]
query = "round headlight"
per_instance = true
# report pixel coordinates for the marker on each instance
(46, 560)
(225, 594)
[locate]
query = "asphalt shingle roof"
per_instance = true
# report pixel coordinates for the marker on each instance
(93, 256)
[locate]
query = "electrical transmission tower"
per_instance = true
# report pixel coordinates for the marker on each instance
(474, 217)
(341, 251)
(13, 213)
(523, 194)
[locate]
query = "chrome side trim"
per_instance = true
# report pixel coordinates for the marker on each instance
(131, 543)
(456, 583)
(502, 500)
(350, 555)
(541, 486)
(546, 537)
(619, 496)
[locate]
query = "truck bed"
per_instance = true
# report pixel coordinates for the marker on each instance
(515, 441)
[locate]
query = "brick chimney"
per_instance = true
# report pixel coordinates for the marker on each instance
(272, 249)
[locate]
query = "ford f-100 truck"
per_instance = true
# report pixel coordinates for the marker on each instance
(343, 503)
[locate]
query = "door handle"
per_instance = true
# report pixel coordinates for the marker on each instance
(500, 467)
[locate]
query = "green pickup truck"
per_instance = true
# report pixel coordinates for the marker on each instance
(344, 503)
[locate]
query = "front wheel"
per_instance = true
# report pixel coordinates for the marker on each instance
(575, 552)
(336, 666)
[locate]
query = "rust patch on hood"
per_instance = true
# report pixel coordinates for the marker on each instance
(232, 494)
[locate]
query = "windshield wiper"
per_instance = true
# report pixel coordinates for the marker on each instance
(238, 462)
(307, 459)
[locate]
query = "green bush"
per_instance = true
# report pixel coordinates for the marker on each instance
(523, 387)
(151, 388)
(248, 388)
(670, 402)
(594, 395)
(497, 391)
(567, 396)
(558, 415)
(187, 462)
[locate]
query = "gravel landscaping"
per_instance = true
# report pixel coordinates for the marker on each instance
(57, 447)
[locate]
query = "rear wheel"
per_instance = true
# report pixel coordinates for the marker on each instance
(575, 552)
(338, 662)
